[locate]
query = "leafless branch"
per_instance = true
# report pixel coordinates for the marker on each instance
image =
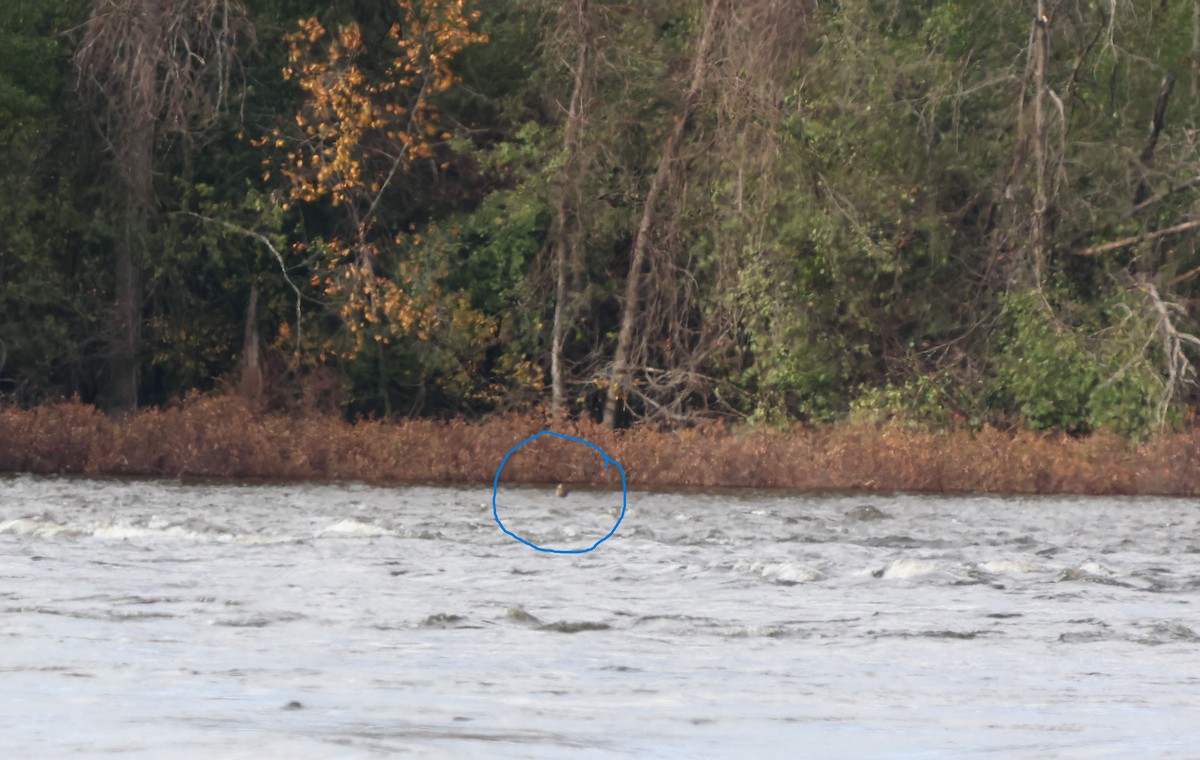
(1180, 370)
(1135, 239)
(266, 241)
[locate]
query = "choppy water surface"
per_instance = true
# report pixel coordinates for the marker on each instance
(160, 619)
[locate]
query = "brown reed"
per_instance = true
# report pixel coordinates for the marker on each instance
(221, 437)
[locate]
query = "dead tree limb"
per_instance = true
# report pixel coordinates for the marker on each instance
(1179, 368)
(1163, 195)
(619, 381)
(1125, 242)
(266, 241)
(1146, 159)
(564, 231)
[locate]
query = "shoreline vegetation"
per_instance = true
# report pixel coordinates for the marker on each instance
(651, 213)
(221, 438)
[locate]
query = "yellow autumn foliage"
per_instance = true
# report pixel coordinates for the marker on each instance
(355, 132)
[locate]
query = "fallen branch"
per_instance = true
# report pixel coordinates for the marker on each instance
(1094, 250)
(1186, 276)
(1162, 196)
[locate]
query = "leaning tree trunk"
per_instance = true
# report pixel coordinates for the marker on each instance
(620, 382)
(564, 233)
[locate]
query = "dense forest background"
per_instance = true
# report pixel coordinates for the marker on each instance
(952, 213)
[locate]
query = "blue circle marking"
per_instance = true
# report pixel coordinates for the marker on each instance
(607, 461)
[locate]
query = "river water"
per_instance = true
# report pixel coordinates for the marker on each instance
(160, 619)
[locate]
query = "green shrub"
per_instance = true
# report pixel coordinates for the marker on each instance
(1077, 372)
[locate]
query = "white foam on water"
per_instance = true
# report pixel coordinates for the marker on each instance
(353, 528)
(1095, 568)
(1012, 567)
(25, 526)
(912, 568)
(120, 531)
(254, 539)
(149, 530)
(781, 572)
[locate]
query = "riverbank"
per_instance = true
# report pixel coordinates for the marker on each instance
(221, 438)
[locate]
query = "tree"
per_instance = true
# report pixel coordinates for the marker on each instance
(153, 72)
(368, 117)
(743, 59)
(565, 232)
(630, 309)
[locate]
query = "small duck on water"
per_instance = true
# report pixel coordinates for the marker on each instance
(561, 491)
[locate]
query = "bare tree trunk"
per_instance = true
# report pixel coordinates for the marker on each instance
(1041, 56)
(557, 385)
(126, 339)
(251, 381)
(641, 243)
(1195, 46)
(564, 232)
(149, 68)
(1157, 124)
(133, 146)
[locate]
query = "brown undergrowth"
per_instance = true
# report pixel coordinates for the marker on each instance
(220, 437)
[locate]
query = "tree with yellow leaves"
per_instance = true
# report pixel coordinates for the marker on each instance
(360, 125)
